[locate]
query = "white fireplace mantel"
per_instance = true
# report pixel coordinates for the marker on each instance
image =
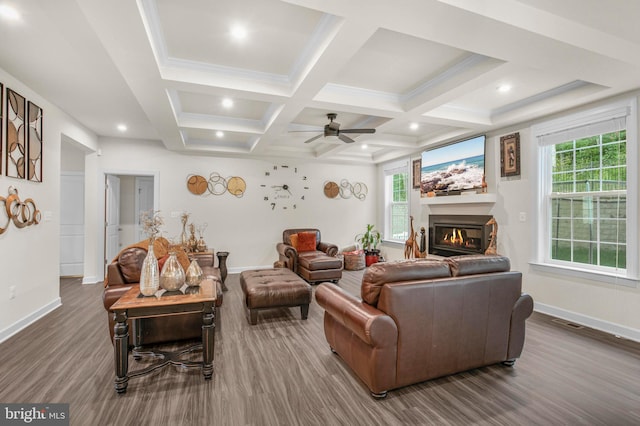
(470, 198)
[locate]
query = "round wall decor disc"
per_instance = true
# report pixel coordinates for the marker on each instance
(236, 186)
(331, 189)
(196, 184)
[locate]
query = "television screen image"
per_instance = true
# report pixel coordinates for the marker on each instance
(454, 167)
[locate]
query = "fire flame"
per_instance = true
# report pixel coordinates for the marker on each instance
(454, 238)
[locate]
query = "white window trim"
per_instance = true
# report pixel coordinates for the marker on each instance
(390, 169)
(540, 237)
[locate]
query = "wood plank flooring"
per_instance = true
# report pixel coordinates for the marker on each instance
(281, 372)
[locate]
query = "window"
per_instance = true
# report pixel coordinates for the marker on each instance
(396, 183)
(585, 191)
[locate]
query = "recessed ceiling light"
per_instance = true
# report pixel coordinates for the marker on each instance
(122, 127)
(227, 103)
(414, 126)
(239, 32)
(504, 88)
(9, 13)
(364, 146)
(219, 133)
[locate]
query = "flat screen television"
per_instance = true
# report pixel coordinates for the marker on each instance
(453, 168)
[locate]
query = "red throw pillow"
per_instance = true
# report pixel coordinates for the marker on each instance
(293, 238)
(306, 241)
(162, 261)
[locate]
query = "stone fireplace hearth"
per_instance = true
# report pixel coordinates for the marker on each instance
(452, 235)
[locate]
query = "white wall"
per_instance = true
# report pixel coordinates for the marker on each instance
(246, 227)
(36, 288)
(610, 307)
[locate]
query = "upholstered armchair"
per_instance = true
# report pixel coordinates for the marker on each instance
(303, 251)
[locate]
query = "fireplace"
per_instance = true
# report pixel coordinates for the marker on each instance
(452, 235)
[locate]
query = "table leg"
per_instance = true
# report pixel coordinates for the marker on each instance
(121, 349)
(222, 265)
(208, 339)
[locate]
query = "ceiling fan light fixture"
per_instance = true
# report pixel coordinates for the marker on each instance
(227, 103)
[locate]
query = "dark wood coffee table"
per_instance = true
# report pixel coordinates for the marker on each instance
(132, 305)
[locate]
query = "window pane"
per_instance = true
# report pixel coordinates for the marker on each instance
(614, 154)
(588, 158)
(613, 231)
(584, 229)
(613, 255)
(561, 250)
(399, 225)
(562, 182)
(588, 180)
(590, 141)
(584, 252)
(561, 228)
(563, 162)
(561, 207)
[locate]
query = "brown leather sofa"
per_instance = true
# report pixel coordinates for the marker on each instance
(123, 273)
(421, 319)
(314, 264)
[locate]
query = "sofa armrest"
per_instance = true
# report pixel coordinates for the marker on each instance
(522, 309)
(112, 293)
(371, 325)
(114, 276)
(287, 254)
(328, 248)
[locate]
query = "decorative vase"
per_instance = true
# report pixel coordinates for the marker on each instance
(149, 275)
(184, 240)
(222, 264)
(172, 275)
(371, 257)
(194, 274)
(201, 245)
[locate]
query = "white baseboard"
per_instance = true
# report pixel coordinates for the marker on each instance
(91, 280)
(608, 327)
(29, 319)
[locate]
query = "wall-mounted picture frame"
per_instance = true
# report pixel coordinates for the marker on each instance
(1, 125)
(15, 135)
(417, 173)
(510, 155)
(34, 142)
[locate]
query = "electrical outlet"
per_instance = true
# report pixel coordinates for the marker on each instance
(12, 292)
(523, 216)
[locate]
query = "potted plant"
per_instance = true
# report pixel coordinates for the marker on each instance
(369, 241)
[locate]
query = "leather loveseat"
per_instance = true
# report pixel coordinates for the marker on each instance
(303, 251)
(421, 319)
(124, 272)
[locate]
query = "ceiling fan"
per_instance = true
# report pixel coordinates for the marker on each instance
(333, 129)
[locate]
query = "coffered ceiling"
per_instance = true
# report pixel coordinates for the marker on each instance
(164, 67)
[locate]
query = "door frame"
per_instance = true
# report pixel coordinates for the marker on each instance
(101, 264)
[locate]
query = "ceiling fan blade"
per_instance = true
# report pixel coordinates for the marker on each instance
(344, 138)
(358, 131)
(313, 138)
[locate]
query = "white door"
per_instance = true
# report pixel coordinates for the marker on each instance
(71, 224)
(143, 201)
(112, 217)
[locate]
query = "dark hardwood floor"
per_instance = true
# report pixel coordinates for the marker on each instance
(281, 372)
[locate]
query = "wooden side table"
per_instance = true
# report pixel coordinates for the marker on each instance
(133, 305)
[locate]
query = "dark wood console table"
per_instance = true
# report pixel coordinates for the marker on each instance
(133, 305)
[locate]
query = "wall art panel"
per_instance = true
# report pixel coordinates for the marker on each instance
(34, 143)
(15, 153)
(1, 124)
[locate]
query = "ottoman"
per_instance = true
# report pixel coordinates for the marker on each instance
(274, 288)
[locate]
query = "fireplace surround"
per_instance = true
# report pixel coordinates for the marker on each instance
(452, 235)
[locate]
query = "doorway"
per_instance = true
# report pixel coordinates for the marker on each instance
(126, 196)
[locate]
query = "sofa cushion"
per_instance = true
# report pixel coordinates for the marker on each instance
(306, 241)
(130, 262)
(379, 274)
(477, 264)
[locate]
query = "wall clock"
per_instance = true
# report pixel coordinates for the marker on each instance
(284, 187)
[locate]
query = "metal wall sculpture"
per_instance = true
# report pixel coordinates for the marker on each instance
(346, 189)
(15, 155)
(216, 185)
(34, 141)
(21, 213)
